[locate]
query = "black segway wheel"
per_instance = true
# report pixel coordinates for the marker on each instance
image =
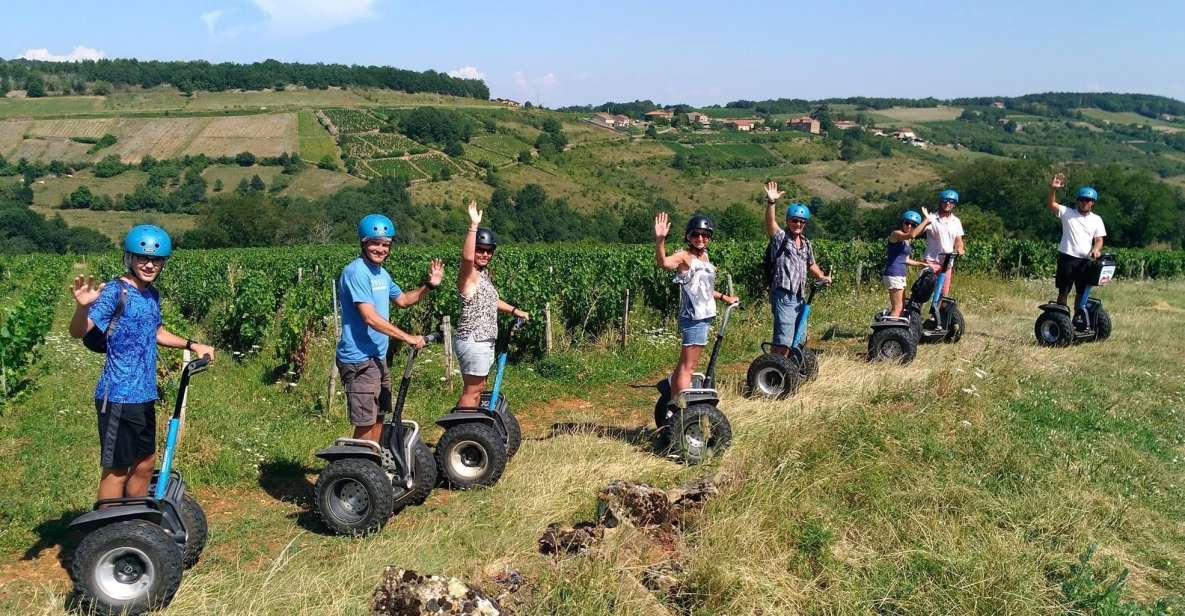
(425, 476)
(354, 496)
(892, 344)
(1102, 324)
(196, 531)
(1054, 329)
(808, 368)
(700, 432)
(915, 325)
(514, 433)
(771, 376)
(129, 567)
(955, 324)
(662, 414)
(471, 455)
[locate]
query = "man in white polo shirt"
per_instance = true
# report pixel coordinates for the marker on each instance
(944, 235)
(1082, 239)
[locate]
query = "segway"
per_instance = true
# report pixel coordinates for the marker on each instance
(892, 339)
(478, 441)
(773, 375)
(1090, 321)
(944, 321)
(364, 482)
(130, 560)
(693, 428)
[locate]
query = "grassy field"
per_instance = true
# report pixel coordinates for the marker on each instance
(49, 191)
(883, 174)
(968, 482)
(315, 141)
(906, 115)
(115, 225)
(1131, 117)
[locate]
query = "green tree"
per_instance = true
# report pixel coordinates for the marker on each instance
(34, 86)
(218, 185)
(651, 131)
(327, 162)
(525, 157)
(257, 184)
(245, 159)
(109, 166)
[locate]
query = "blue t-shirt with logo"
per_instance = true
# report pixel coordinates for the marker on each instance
(129, 373)
(367, 283)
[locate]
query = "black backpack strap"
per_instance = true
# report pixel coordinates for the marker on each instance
(119, 305)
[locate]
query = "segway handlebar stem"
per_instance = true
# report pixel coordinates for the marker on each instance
(710, 373)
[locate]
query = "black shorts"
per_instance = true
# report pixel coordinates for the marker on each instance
(1072, 271)
(127, 432)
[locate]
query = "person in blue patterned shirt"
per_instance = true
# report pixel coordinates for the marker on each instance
(127, 309)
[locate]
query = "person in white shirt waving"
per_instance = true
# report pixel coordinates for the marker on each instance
(944, 235)
(1082, 239)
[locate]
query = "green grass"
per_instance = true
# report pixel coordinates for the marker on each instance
(49, 106)
(392, 166)
(54, 189)
(315, 142)
(968, 482)
(115, 224)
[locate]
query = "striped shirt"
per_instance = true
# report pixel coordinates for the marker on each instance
(792, 263)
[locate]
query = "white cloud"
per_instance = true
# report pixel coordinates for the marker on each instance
(79, 53)
(308, 16)
(211, 18)
(532, 84)
(467, 72)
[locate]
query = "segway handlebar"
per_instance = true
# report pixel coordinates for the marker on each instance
(517, 325)
(433, 337)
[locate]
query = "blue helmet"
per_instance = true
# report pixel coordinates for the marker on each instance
(798, 210)
(1086, 192)
(948, 194)
(912, 216)
(375, 226)
(149, 241)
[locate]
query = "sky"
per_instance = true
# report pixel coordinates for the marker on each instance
(568, 53)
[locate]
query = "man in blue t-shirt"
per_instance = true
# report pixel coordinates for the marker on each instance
(365, 292)
(127, 309)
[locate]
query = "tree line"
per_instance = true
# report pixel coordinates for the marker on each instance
(193, 75)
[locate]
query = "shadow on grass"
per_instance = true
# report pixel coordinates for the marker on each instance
(56, 532)
(287, 481)
(638, 437)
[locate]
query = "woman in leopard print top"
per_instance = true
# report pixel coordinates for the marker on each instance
(477, 329)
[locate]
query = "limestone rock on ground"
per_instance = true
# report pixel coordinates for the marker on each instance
(403, 592)
(561, 540)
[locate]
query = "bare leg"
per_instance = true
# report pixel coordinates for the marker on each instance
(471, 390)
(112, 482)
(137, 484)
(896, 302)
(688, 360)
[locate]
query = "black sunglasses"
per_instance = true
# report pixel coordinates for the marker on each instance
(695, 234)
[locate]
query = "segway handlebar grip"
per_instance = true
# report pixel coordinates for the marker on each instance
(198, 365)
(433, 337)
(518, 324)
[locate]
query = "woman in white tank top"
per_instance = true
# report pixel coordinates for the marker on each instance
(696, 277)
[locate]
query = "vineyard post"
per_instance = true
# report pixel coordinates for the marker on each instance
(1020, 264)
(446, 326)
(859, 275)
(1141, 269)
(625, 319)
(299, 275)
(4, 376)
(728, 277)
(547, 328)
(332, 386)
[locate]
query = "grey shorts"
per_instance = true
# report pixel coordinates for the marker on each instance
(368, 390)
(474, 356)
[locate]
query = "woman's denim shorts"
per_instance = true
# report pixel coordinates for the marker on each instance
(474, 356)
(695, 331)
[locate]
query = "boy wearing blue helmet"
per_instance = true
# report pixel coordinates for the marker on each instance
(1082, 238)
(792, 258)
(365, 291)
(944, 235)
(125, 314)
(898, 259)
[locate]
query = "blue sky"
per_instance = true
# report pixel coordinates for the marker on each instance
(684, 51)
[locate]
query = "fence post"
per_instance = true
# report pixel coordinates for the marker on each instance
(859, 275)
(1020, 260)
(1141, 269)
(299, 275)
(547, 328)
(625, 320)
(446, 326)
(331, 388)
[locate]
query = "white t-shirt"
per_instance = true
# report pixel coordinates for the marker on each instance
(940, 236)
(1079, 231)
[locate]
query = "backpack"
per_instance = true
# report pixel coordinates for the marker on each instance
(923, 287)
(96, 339)
(773, 252)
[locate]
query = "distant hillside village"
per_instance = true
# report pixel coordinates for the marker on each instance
(699, 121)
